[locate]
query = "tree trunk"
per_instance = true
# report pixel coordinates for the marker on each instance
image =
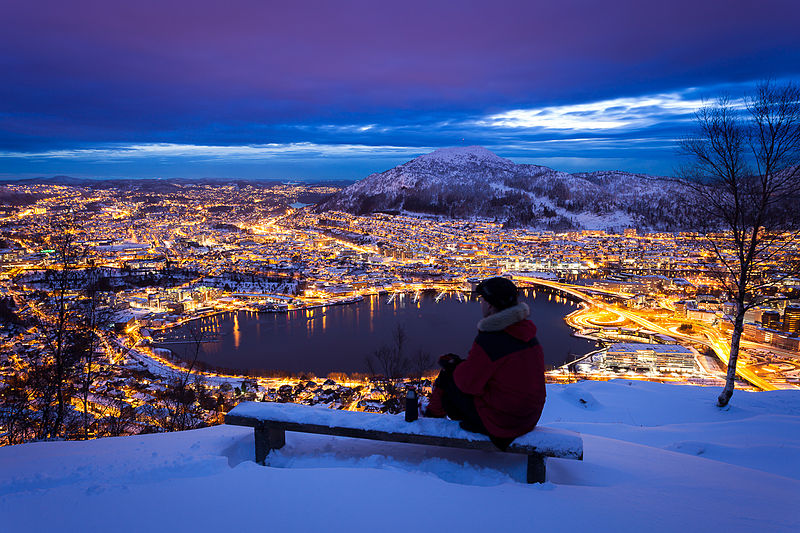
(59, 362)
(738, 327)
(85, 418)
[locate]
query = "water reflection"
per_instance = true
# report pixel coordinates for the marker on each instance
(334, 338)
(236, 331)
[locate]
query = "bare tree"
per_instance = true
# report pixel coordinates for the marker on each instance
(421, 362)
(181, 396)
(390, 364)
(92, 317)
(52, 371)
(744, 176)
(119, 417)
(16, 416)
(390, 360)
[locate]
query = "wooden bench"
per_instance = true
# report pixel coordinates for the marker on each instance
(272, 420)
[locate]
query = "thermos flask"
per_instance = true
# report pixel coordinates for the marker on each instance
(411, 405)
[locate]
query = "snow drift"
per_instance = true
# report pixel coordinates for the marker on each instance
(656, 457)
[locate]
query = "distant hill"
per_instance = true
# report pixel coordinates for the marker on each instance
(474, 182)
(156, 183)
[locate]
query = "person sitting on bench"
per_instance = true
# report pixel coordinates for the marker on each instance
(499, 389)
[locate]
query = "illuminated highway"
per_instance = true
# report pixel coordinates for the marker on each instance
(713, 339)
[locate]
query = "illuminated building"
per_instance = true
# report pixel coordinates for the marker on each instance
(658, 357)
(771, 319)
(791, 318)
(701, 314)
(754, 314)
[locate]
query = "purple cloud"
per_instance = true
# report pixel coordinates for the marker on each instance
(85, 73)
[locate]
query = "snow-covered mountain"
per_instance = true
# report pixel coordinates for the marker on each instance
(475, 182)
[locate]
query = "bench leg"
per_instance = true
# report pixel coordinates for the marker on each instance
(268, 439)
(536, 470)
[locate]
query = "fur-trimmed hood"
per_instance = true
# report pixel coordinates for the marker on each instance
(502, 319)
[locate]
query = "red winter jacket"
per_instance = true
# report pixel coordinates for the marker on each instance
(505, 373)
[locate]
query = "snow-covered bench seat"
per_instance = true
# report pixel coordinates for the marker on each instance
(271, 421)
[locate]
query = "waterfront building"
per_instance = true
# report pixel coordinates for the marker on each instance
(655, 357)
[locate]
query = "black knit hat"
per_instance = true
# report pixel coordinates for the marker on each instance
(501, 293)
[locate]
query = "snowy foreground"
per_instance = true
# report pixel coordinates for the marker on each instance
(657, 458)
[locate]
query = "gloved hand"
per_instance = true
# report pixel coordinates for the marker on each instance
(449, 361)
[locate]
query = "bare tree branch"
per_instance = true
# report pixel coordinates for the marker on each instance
(744, 176)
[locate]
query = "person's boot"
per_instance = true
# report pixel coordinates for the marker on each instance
(435, 408)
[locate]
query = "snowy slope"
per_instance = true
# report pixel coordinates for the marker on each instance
(657, 458)
(474, 182)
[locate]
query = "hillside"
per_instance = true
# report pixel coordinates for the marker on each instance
(474, 182)
(656, 458)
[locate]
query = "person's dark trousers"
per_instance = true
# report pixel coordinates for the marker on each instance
(461, 406)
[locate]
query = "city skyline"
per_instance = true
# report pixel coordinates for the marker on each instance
(319, 91)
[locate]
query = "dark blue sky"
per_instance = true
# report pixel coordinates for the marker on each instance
(340, 89)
